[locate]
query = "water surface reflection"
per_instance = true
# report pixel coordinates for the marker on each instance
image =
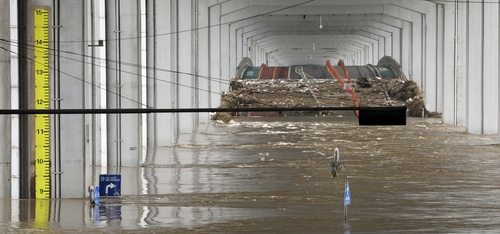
(270, 175)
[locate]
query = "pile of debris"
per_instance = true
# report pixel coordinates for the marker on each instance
(407, 92)
(286, 93)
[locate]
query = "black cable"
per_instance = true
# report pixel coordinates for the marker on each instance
(216, 80)
(195, 110)
(210, 26)
(32, 48)
(270, 12)
(69, 58)
(108, 91)
(209, 78)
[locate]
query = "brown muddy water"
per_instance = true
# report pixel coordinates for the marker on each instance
(269, 175)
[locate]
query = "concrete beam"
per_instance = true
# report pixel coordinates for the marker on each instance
(235, 6)
(303, 43)
(387, 42)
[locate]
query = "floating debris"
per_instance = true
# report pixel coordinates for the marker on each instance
(304, 93)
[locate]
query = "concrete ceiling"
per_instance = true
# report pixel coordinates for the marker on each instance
(312, 31)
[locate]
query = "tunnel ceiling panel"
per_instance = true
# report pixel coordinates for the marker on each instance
(313, 31)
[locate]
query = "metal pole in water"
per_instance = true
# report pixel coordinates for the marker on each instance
(345, 212)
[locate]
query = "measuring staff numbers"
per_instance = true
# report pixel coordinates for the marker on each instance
(42, 102)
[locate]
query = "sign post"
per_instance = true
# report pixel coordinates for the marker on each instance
(347, 199)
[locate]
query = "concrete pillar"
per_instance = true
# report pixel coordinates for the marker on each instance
(5, 97)
(101, 127)
(233, 50)
(93, 90)
(475, 78)
(202, 58)
(70, 78)
(490, 65)
(161, 78)
(461, 92)
(124, 82)
(377, 49)
(430, 61)
(263, 56)
(449, 110)
(15, 166)
(417, 48)
(74, 88)
(240, 44)
(186, 82)
(395, 47)
(482, 72)
(371, 54)
(253, 52)
(406, 49)
(366, 54)
(455, 69)
(440, 69)
(226, 43)
(214, 31)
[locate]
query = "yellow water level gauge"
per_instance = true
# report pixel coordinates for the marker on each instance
(42, 102)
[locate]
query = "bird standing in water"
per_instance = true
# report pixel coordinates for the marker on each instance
(335, 166)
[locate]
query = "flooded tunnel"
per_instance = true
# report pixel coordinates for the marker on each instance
(115, 88)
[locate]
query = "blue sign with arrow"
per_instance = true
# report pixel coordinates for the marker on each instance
(110, 185)
(347, 194)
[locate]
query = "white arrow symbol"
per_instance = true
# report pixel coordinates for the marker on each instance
(110, 186)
